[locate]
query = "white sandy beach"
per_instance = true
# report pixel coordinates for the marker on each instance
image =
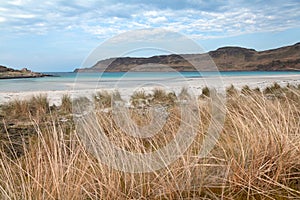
(126, 89)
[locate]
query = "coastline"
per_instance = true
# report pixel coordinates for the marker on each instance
(29, 76)
(194, 84)
(10, 73)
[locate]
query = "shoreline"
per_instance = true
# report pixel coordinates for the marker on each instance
(10, 73)
(27, 76)
(194, 84)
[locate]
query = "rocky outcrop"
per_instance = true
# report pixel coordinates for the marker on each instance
(9, 73)
(225, 58)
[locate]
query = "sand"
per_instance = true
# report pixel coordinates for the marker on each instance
(126, 89)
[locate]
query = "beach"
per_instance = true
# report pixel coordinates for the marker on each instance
(127, 86)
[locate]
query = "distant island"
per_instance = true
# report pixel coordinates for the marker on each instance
(9, 73)
(286, 58)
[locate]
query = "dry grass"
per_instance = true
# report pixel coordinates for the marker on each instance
(162, 97)
(36, 108)
(231, 92)
(256, 157)
(105, 99)
(140, 98)
(66, 104)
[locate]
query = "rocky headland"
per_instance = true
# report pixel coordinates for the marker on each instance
(9, 73)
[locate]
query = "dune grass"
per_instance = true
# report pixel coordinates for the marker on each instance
(104, 99)
(256, 156)
(36, 108)
(66, 104)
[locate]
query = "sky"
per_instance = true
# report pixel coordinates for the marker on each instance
(58, 35)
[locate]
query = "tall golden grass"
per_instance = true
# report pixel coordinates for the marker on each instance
(256, 157)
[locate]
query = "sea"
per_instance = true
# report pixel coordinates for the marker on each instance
(70, 80)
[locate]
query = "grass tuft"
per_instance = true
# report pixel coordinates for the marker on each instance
(66, 104)
(205, 92)
(105, 99)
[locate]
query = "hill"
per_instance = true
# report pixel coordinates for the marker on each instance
(225, 58)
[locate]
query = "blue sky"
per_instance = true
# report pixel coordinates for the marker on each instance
(57, 35)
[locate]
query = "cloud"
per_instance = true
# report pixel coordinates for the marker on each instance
(2, 19)
(103, 19)
(156, 20)
(180, 5)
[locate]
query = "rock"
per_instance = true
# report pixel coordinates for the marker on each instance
(9, 73)
(25, 70)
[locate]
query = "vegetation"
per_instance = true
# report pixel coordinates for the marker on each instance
(256, 156)
(246, 90)
(37, 107)
(105, 99)
(274, 89)
(160, 96)
(140, 98)
(9, 73)
(284, 58)
(231, 91)
(66, 104)
(184, 94)
(205, 92)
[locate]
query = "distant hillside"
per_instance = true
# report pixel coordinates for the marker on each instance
(225, 58)
(9, 73)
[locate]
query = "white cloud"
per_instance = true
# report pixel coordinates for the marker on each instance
(158, 20)
(22, 16)
(3, 9)
(105, 18)
(16, 2)
(151, 13)
(2, 19)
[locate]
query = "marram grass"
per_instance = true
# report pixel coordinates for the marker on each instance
(256, 156)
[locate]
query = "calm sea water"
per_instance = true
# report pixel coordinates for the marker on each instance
(68, 80)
